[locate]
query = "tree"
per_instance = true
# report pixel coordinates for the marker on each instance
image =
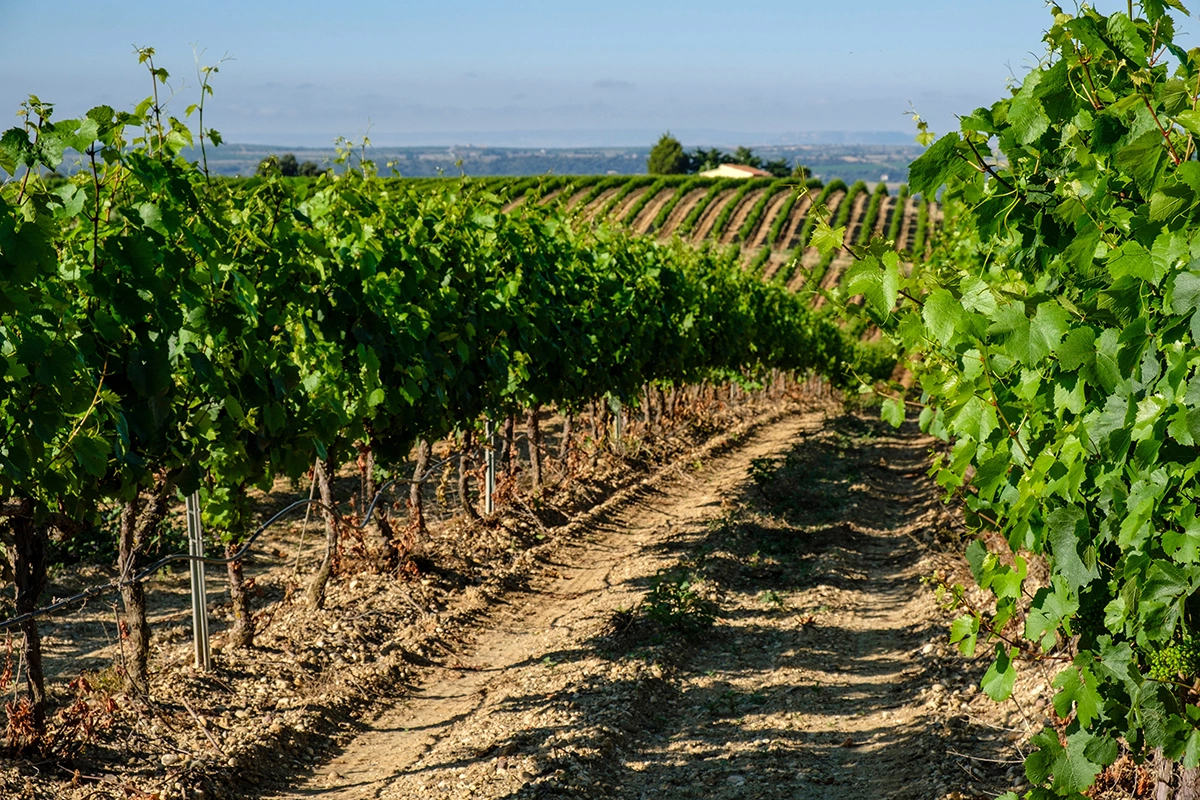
(802, 172)
(309, 169)
(286, 165)
(745, 155)
(702, 159)
(778, 167)
(667, 157)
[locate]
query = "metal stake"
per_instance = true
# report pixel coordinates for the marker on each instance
(489, 484)
(618, 424)
(199, 596)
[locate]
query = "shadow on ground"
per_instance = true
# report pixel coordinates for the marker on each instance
(816, 678)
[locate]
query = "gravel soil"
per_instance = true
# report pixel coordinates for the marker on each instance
(746, 612)
(759, 626)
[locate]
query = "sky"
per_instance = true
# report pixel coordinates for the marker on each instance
(549, 73)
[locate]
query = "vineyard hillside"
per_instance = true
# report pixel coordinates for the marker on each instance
(770, 222)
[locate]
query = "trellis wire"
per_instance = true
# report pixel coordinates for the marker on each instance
(115, 585)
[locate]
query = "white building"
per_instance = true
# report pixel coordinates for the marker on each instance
(735, 171)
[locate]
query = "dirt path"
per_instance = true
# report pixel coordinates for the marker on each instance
(552, 195)
(791, 231)
(810, 258)
(758, 238)
(599, 203)
(680, 211)
(575, 197)
(708, 217)
(646, 217)
(858, 215)
(884, 220)
(817, 680)
(618, 214)
(908, 224)
(738, 218)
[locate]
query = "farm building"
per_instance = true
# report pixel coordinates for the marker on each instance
(735, 171)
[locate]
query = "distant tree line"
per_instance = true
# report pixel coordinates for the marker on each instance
(287, 166)
(668, 157)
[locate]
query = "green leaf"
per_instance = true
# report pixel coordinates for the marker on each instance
(1052, 609)
(976, 419)
(16, 150)
(878, 281)
(1106, 373)
(828, 240)
(1117, 661)
(1102, 750)
(892, 411)
(1143, 160)
(1001, 676)
(1152, 713)
(92, 454)
(152, 218)
(1185, 292)
(943, 314)
(1078, 687)
(1027, 340)
(1048, 327)
(975, 555)
(937, 166)
(1064, 526)
(275, 417)
(1171, 201)
(235, 409)
(1026, 114)
(1131, 260)
(1077, 349)
(1190, 121)
(1123, 31)
(1072, 770)
(1184, 547)
(964, 631)
(1191, 750)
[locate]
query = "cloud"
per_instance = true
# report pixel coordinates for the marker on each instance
(611, 85)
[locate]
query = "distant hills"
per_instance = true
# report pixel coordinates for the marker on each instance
(850, 162)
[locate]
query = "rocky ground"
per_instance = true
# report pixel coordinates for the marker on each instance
(760, 627)
(745, 615)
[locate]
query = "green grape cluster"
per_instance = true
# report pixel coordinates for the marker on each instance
(1181, 658)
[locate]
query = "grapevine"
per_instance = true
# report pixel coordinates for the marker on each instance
(165, 333)
(1053, 334)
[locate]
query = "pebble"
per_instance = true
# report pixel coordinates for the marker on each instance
(737, 780)
(169, 759)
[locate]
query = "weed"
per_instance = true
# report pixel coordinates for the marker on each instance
(680, 602)
(772, 598)
(764, 470)
(621, 622)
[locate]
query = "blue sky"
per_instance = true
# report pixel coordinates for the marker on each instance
(535, 72)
